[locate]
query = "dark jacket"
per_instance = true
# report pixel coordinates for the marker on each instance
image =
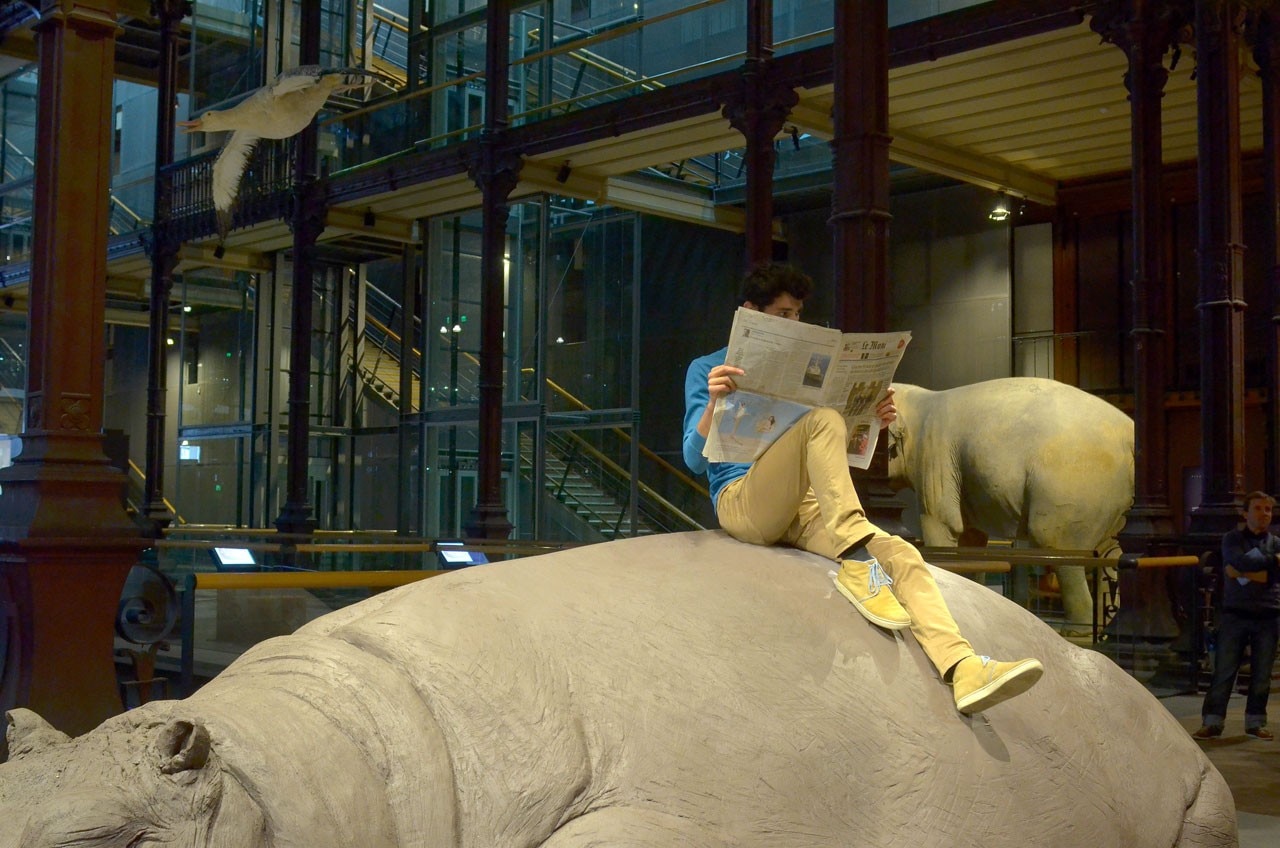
(1251, 552)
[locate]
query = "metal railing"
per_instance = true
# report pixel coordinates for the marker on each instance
(576, 456)
(328, 563)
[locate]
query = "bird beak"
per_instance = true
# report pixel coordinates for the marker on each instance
(189, 126)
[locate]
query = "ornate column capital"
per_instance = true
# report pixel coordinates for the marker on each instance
(171, 10)
(494, 167)
(759, 100)
(1146, 30)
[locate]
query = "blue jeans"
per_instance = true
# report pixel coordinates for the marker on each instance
(1235, 631)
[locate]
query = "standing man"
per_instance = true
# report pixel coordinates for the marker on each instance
(1250, 616)
(799, 493)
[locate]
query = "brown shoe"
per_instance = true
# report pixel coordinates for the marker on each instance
(1207, 731)
(1260, 733)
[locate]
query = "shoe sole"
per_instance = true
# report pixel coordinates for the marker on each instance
(1014, 682)
(1259, 738)
(886, 623)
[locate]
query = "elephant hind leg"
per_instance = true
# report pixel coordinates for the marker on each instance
(1208, 821)
(632, 827)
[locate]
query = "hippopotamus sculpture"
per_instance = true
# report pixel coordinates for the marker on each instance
(1018, 458)
(682, 690)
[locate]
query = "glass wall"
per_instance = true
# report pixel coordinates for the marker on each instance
(228, 50)
(17, 162)
(13, 371)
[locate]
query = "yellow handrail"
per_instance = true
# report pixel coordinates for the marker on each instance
(567, 395)
(625, 29)
(569, 47)
(619, 470)
(136, 470)
(309, 579)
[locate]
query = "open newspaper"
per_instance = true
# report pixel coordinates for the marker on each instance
(792, 367)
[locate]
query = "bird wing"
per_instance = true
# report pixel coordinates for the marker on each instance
(229, 167)
(295, 79)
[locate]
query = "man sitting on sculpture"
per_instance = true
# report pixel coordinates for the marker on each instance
(799, 493)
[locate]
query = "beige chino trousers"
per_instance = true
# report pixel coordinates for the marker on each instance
(799, 493)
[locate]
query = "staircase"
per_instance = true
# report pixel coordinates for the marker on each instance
(594, 488)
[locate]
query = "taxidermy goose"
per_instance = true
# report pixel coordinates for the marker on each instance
(279, 110)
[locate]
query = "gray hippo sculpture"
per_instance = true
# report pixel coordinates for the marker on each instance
(1017, 458)
(682, 690)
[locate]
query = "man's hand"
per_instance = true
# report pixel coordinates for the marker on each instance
(1236, 574)
(720, 381)
(886, 410)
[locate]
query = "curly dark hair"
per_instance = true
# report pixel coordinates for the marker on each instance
(765, 282)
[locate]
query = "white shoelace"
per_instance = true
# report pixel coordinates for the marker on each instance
(878, 577)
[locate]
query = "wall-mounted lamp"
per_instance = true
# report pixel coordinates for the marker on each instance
(1000, 212)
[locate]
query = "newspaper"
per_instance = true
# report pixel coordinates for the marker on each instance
(792, 367)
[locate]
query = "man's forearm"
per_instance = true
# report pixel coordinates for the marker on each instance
(1256, 576)
(704, 423)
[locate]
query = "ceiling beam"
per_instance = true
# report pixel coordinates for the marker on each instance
(673, 201)
(943, 160)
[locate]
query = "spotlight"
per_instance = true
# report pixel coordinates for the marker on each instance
(562, 175)
(369, 219)
(1000, 212)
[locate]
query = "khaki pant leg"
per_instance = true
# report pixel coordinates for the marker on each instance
(802, 477)
(917, 591)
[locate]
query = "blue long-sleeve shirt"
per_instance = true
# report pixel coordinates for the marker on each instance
(696, 398)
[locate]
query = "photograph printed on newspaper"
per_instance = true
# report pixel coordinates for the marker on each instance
(791, 367)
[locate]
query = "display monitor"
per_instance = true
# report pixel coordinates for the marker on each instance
(234, 559)
(451, 555)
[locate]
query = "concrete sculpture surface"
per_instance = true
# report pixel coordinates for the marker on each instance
(1017, 458)
(682, 690)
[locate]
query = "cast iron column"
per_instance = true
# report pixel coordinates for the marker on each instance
(308, 224)
(1266, 52)
(758, 111)
(66, 543)
(164, 256)
(860, 166)
(860, 205)
(496, 171)
(1221, 269)
(1145, 29)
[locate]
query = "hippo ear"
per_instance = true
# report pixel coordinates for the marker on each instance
(182, 745)
(28, 733)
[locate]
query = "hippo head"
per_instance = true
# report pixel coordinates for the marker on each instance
(144, 778)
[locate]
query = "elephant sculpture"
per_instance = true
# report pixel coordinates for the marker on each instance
(1018, 458)
(683, 690)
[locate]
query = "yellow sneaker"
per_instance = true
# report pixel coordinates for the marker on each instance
(867, 585)
(981, 682)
